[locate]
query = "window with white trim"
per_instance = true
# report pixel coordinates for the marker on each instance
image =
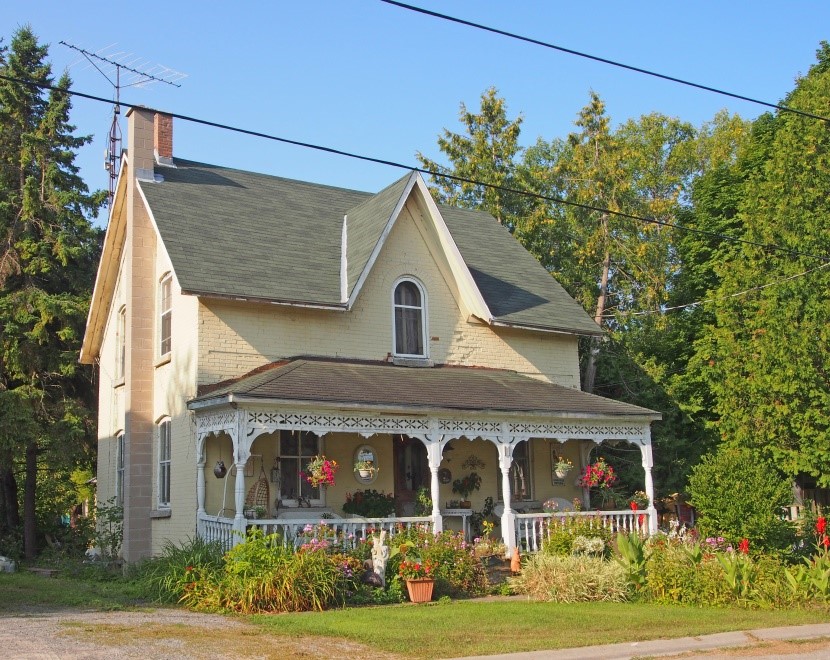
(521, 481)
(297, 448)
(119, 469)
(164, 464)
(121, 344)
(165, 314)
(409, 319)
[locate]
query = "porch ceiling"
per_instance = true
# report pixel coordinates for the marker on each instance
(385, 385)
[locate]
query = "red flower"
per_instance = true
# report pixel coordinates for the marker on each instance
(634, 506)
(743, 546)
(826, 542)
(821, 525)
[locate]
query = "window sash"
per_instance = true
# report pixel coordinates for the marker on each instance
(121, 345)
(409, 320)
(166, 313)
(295, 451)
(119, 470)
(164, 464)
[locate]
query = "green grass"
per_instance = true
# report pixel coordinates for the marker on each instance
(480, 628)
(471, 627)
(25, 591)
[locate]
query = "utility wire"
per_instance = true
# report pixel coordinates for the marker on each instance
(769, 247)
(709, 300)
(603, 60)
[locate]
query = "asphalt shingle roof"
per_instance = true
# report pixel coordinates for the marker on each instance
(241, 234)
(446, 387)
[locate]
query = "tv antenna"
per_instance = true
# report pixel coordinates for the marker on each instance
(122, 69)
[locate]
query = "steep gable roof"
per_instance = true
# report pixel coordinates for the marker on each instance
(240, 234)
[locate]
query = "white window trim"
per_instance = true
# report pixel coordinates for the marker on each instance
(161, 463)
(120, 345)
(119, 468)
(166, 279)
(424, 319)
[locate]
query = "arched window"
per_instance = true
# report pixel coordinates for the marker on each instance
(119, 469)
(410, 326)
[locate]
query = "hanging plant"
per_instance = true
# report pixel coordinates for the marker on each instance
(320, 471)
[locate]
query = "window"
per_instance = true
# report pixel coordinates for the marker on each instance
(296, 451)
(521, 487)
(164, 464)
(408, 303)
(119, 469)
(121, 344)
(165, 314)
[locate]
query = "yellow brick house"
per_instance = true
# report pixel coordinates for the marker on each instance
(243, 324)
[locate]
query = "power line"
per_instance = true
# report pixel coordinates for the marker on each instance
(663, 310)
(603, 60)
(769, 247)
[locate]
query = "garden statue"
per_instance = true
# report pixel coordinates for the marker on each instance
(380, 555)
(516, 562)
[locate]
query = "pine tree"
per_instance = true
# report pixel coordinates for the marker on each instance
(48, 252)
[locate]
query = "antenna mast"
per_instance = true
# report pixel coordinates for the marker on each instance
(136, 78)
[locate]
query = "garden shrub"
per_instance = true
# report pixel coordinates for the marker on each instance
(459, 571)
(165, 578)
(563, 532)
(676, 574)
(571, 579)
(739, 496)
(262, 575)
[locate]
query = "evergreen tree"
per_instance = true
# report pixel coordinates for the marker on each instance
(47, 263)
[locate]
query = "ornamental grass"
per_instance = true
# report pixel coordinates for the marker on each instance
(571, 579)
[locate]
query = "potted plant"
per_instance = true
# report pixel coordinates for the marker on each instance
(418, 576)
(600, 477)
(639, 500)
(562, 466)
(369, 504)
(320, 471)
(365, 469)
(465, 486)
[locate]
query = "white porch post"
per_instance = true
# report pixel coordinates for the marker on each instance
(648, 463)
(242, 452)
(435, 449)
(508, 516)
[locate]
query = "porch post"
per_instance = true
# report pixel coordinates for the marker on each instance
(201, 458)
(648, 463)
(239, 501)
(508, 516)
(435, 447)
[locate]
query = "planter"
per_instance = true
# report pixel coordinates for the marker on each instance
(465, 504)
(420, 589)
(561, 474)
(365, 474)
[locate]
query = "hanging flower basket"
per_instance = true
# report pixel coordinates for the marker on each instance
(320, 471)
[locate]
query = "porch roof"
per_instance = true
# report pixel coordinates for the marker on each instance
(381, 384)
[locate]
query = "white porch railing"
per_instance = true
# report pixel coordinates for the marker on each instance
(533, 529)
(350, 530)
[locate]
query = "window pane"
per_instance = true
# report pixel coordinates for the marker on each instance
(408, 332)
(290, 468)
(165, 333)
(289, 443)
(165, 301)
(309, 444)
(407, 293)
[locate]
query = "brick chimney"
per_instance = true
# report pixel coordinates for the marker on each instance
(163, 138)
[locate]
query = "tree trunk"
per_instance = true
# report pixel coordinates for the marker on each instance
(29, 492)
(591, 363)
(8, 492)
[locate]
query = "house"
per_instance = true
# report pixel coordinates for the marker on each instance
(243, 324)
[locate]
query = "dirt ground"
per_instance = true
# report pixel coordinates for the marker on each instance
(156, 635)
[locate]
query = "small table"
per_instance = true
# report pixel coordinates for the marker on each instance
(464, 514)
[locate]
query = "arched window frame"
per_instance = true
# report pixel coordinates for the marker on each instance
(119, 468)
(424, 318)
(120, 344)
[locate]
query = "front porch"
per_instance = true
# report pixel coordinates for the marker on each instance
(519, 477)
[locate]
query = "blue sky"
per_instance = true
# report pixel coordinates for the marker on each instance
(367, 77)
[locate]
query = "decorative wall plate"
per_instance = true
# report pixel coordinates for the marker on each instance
(444, 475)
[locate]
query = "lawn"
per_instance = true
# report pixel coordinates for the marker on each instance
(442, 629)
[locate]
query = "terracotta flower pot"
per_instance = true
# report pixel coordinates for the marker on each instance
(420, 589)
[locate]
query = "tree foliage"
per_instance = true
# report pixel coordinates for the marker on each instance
(48, 252)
